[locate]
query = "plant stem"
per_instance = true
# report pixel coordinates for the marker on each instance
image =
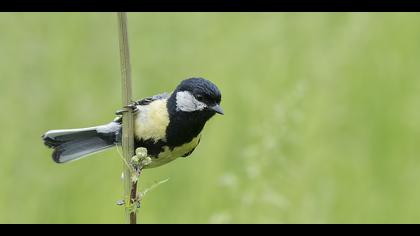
(130, 187)
(134, 201)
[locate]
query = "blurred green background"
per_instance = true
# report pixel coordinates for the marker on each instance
(322, 119)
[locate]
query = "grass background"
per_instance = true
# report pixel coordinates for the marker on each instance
(322, 119)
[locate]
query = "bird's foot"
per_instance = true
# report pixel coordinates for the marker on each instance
(127, 108)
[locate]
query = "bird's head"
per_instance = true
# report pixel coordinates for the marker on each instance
(198, 95)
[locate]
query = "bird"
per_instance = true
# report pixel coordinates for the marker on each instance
(168, 125)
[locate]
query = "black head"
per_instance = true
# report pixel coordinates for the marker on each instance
(190, 106)
(198, 95)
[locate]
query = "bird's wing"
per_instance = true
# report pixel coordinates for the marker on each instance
(142, 102)
(148, 100)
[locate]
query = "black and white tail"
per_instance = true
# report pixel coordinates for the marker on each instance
(73, 144)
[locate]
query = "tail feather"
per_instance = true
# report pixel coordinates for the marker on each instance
(73, 144)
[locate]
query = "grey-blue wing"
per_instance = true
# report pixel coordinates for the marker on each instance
(148, 100)
(142, 102)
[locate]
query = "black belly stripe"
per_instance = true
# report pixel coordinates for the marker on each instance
(153, 148)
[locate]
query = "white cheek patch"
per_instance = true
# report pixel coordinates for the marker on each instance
(185, 101)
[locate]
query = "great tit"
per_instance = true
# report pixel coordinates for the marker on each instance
(167, 125)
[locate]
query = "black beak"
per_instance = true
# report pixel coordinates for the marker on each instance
(218, 109)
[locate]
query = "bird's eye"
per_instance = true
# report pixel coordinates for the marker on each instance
(199, 97)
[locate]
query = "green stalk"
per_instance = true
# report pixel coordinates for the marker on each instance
(130, 187)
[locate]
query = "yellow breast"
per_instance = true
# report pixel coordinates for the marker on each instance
(151, 121)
